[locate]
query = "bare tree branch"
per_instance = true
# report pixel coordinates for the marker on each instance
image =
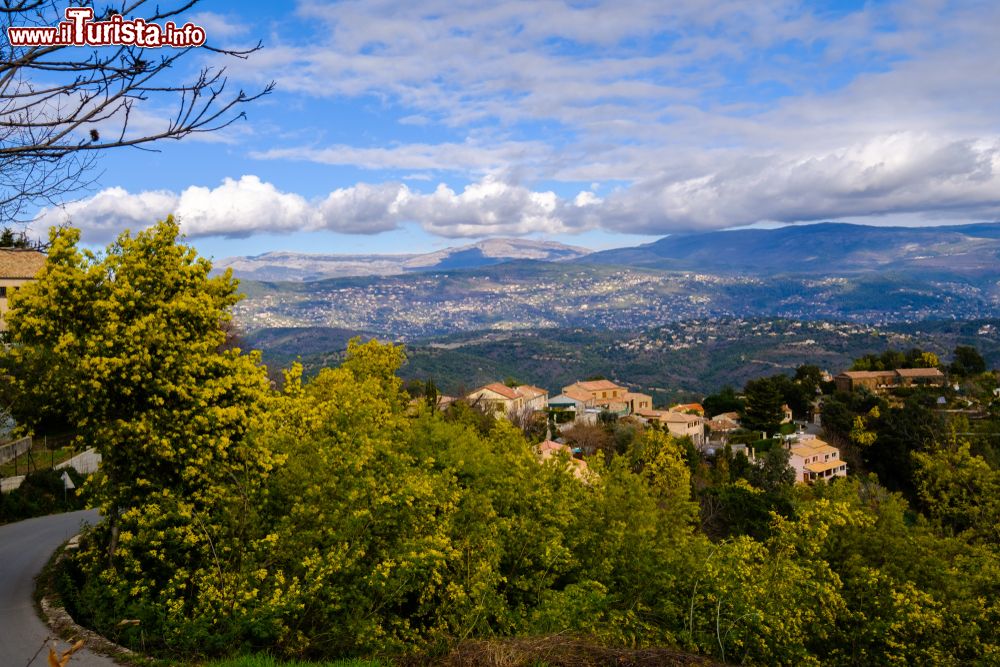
(58, 102)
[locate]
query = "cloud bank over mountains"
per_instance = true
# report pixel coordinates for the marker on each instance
(684, 116)
(895, 174)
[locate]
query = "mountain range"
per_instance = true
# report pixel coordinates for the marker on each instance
(818, 249)
(292, 266)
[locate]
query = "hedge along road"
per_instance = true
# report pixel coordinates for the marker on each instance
(25, 547)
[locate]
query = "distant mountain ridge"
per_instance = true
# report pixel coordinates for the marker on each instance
(300, 267)
(828, 248)
(819, 249)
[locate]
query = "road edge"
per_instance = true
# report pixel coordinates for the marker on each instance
(54, 615)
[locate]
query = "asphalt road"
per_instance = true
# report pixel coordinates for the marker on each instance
(25, 547)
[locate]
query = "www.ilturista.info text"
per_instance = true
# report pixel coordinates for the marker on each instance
(80, 29)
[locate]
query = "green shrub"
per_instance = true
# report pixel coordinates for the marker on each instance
(41, 493)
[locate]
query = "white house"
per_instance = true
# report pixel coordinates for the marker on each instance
(813, 459)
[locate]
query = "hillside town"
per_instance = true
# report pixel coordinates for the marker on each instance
(591, 402)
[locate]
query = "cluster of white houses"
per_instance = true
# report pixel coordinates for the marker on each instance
(583, 402)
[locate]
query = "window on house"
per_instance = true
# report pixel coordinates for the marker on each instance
(3, 292)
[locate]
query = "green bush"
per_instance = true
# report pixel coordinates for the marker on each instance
(41, 493)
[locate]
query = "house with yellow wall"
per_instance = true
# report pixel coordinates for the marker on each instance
(600, 392)
(497, 399)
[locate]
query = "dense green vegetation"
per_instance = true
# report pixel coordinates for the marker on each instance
(674, 363)
(330, 517)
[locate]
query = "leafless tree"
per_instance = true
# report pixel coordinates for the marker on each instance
(54, 98)
(590, 438)
(529, 421)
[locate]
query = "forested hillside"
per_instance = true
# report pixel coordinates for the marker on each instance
(675, 362)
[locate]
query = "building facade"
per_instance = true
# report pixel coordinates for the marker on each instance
(17, 267)
(814, 459)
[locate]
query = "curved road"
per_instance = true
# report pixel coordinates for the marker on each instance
(25, 547)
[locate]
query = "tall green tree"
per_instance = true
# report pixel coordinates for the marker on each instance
(967, 361)
(725, 400)
(763, 408)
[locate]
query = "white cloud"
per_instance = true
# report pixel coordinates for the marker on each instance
(467, 156)
(364, 209)
(487, 208)
(242, 207)
(711, 114)
(249, 205)
(103, 216)
(235, 208)
(916, 174)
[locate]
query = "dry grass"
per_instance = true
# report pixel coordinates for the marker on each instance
(559, 651)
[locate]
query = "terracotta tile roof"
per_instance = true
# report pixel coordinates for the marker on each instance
(686, 407)
(21, 264)
(723, 424)
(862, 375)
(920, 373)
(577, 394)
(499, 388)
(813, 447)
(553, 446)
(823, 466)
(597, 385)
(548, 449)
(529, 391)
(562, 399)
(671, 416)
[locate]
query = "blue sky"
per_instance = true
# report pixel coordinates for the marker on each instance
(406, 127)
